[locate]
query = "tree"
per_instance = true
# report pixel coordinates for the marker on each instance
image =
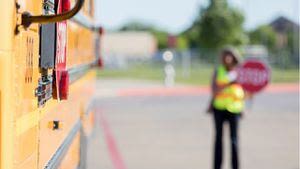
(264, 35)
(136, 26)
(192, 35)
(220, 25)
(182, 43)
(293, 45)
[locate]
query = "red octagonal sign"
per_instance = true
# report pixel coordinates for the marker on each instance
(61, 73)
(254, 75)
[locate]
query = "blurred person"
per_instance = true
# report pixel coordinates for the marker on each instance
(227, 104)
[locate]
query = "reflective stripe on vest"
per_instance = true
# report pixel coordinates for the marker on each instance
(230, 98)
(222, 78)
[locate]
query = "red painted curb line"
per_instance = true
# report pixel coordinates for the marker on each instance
(282, 88)
(115, 154)
(177, 91)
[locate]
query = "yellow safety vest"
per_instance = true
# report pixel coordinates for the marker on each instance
(230, 98)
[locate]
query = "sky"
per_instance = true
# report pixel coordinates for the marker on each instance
(177, 15)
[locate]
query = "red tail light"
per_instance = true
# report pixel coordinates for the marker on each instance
(101, 31)
(100, 62)
(64, 85)
(66, 5)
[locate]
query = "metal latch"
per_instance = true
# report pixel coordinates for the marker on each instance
(44, 90)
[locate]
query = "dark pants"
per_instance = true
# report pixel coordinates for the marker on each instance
(220, 117)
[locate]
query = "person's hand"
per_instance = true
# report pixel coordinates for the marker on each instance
(249, 95)
(209, 110)
(219, 89)
(242, 115)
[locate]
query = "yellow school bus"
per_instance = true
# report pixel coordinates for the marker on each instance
(47, 74)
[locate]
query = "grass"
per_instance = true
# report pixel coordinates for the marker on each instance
(285, 76)
(134, 72)
(199, 74)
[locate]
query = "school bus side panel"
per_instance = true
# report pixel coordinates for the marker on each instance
(7, 9)
(80, 54)
(26, 76)
(27, 137)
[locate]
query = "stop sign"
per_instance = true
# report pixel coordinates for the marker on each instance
(254, 75)
(61, 73)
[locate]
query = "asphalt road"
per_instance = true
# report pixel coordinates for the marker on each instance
(174, 132)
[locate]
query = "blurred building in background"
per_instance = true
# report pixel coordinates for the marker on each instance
(120, 47)
(282, 26)
(287, 42)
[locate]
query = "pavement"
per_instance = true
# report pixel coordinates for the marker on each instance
(142, 125)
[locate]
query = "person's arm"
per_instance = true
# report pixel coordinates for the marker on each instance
(213, 90)
(232, 80)
(213, 85)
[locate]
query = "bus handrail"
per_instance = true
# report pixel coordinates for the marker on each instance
(27, 19)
